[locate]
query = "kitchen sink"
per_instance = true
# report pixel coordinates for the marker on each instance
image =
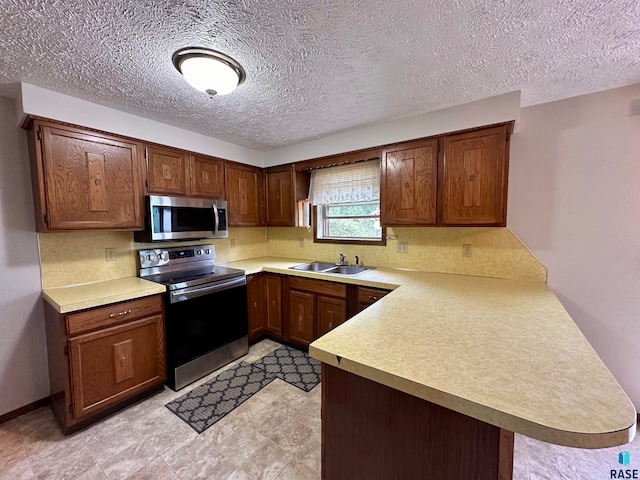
(315, 267)
(323, 267)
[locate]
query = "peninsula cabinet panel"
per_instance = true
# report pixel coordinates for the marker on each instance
(301, 317)
(245, 195)
(167, 171)
(207, 177)
(474, 178)
(408, 192)
(84, 180)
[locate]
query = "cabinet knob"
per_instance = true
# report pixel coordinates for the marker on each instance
(371, 297)
(330, 325)
(255, 304)
(123, 361)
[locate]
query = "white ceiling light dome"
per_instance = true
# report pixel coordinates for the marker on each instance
(208, 70)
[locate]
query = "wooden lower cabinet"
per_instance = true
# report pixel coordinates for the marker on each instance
(273, 300)
(104, 358)
(315, 307)
(255, 300)
(264, 297)
(331, 312)
(301, 317)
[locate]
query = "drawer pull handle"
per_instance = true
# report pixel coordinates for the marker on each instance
(373, 298)
(119, 314)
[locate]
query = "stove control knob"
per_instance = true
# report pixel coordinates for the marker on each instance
(161, 256)
(150, 257)
(207, 251)
(199, 252)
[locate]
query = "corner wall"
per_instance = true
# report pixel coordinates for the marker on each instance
(24, 376)
(574, 200)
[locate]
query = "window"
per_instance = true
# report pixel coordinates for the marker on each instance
(346, 200)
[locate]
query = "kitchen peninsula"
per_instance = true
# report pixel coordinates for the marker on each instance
(434, 378)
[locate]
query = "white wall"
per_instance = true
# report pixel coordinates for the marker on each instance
(46, 103)
(23, 357)
(574, 200)
(491, 110)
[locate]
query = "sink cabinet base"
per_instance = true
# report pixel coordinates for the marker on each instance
(375, 432)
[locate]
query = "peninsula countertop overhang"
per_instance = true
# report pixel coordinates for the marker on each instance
(503, 351)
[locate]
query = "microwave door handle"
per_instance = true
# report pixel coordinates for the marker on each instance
(216, 219)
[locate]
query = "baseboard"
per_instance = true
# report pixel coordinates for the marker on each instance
(22, 410)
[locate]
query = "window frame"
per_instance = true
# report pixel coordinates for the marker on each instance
(343, 240)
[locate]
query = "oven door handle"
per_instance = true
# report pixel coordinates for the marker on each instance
(194, 292)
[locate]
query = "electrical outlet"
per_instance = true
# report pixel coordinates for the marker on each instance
(110, 254)
(232, 243)
(466, 250)
(301, 242)
(403, 247)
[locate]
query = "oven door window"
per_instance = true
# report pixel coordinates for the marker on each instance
(200, 325)
(182, 219)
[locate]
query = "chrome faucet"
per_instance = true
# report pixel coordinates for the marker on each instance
(357, 261)
(342, 259)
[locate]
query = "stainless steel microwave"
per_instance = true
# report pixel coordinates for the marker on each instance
(180, 218)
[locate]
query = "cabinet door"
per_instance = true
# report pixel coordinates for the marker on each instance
(245, 195)
(256, 305)
(301, 317)
(207, 177)
(280, 199)
(475, 178)
(408, 187)
(92, 181)
(273, 297)
(116, 363)
(167, 171)
(331, 313)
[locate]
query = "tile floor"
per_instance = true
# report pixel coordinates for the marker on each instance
(275, 435)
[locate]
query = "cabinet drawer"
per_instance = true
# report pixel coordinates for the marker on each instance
(318, 286)
(112, 315)
(370, 295)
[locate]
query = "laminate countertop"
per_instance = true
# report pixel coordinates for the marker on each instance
(503, 351)
(88, 295)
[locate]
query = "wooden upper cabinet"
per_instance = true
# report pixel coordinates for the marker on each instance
(84, 180)
(474, 177)
(167, 171)
(207, 177)
(245, 195)
(285, 187)
(408, 190)
(280, 198)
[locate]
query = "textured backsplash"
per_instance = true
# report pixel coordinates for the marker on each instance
(79, 257)
(496, 252)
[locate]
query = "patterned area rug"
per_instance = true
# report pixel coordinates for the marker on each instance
(293, 366)
(205, 405)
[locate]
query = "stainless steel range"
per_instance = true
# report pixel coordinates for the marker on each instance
(205, 310)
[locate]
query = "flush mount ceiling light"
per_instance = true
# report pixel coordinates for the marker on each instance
(209, 71)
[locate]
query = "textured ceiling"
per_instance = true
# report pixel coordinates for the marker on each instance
(317, 67)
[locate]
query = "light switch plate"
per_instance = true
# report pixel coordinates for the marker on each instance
(110, 254)
(403, 247)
